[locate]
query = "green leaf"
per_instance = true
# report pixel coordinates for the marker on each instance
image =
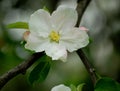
(46, 9)
(40, 72)
(90, 40)
(118, 86)
(80, 87)
(23, 42)
(22, 25)
(73, 87)
(107, 84)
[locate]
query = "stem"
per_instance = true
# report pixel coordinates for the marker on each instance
(81, 7)
(21, 68)
(88, 66)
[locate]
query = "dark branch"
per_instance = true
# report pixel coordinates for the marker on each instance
(20, 69)
(88, 66)
(81, 7)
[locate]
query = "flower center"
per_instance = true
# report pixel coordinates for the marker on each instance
(54, 36)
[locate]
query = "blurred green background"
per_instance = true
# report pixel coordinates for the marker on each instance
(102, 18)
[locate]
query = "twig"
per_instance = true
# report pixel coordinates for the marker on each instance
(88, 66)
(82, 5)
(20, 69)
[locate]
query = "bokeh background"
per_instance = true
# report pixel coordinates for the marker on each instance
(102, 18)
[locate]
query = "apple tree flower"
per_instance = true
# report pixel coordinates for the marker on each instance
(55, 33)
(61, 87)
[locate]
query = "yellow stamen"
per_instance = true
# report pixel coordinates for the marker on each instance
(54, 36)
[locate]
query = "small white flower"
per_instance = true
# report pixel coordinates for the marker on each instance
(55, 34)
(61, 87)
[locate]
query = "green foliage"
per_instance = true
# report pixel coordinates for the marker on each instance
(40, 72)
(23, 42)
(46, 9)
(22, 25)
(90, 40)
(78, 88)
(107, 84)
(73, 87)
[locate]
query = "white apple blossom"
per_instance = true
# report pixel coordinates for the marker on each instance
(55, 33)
(61, 87)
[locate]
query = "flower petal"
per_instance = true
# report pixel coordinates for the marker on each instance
(74, 39)
(36, 43)
(64, 18)
(61, 87)
(56, 51)
(40, 23)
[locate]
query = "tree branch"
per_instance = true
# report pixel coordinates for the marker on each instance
(88, 66)
(19, 69)
(81, 7)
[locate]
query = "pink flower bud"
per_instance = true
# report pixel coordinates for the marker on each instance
(25, 35)
(84, 29)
